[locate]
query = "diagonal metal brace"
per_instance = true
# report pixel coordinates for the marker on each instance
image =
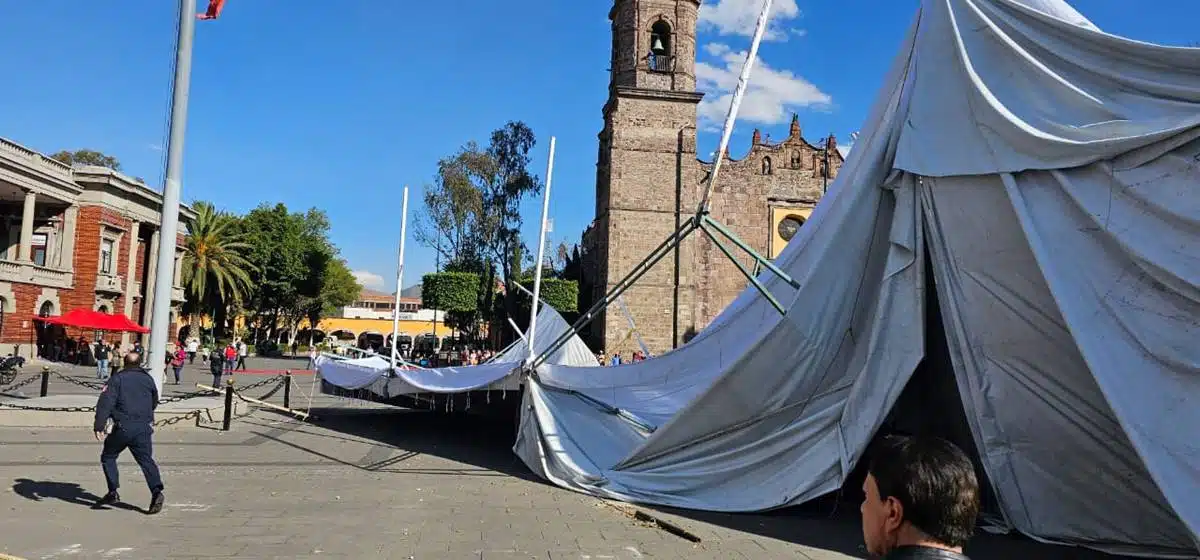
(753, 280)
(609, 298)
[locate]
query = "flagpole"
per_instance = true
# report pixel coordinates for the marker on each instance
(399, 279)
(531, 332)
(164, 280)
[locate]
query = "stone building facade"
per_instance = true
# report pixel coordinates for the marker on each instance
(82, 237)
(649, 181)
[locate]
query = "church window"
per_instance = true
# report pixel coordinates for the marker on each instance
(789, 226)
(660, 59)
(796, 159)
(766, 166)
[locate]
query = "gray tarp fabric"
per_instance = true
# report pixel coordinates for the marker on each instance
(1051, 171)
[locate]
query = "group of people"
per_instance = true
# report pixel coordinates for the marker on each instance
(616, 360)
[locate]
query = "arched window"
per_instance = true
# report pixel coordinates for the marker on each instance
(47, 309)
(796, 163)
(660, 59)
(766, 166)
(789, 226)
(103, 309)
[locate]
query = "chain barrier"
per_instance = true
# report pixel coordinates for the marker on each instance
(85, 384)
(272, 392)
(177, 419)
(19, 384)
(262, 383)
(49, 408)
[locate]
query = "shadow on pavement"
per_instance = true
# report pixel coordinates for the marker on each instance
(829, 525)
(69, 492)
(481, 441)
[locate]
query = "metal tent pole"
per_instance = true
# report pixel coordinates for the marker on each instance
(531, 332)
(399, 279)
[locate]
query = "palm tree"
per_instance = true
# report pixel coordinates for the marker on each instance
(215, 270)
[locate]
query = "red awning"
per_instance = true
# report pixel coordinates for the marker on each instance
(95, 320)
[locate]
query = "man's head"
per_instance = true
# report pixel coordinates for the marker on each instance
(133, 360)
(919, 491)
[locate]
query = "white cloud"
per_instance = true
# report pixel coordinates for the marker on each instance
(739, 17)
(770, 96)
(369, 279)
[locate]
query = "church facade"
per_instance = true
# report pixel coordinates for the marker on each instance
(649, 181)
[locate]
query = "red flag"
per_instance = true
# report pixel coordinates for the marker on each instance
(214, 10)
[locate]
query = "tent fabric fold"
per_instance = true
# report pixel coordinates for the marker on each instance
(1046, 172)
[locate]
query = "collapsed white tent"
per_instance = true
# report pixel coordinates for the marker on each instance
(503, 373)
(1052, 174)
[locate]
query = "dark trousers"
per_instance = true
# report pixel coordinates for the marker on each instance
(216, 380)
(241, 363)
(137, 440)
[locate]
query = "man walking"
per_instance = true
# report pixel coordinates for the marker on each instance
(921, 500)
(129, 399)
(101, 351)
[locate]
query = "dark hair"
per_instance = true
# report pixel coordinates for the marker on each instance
(934, 481)
(133, 359)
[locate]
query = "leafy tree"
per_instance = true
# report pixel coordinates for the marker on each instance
(453, 208)
(456, 293)
(474, 211)
(216, 272)
(562, 295)
(87, 157)
(291, 252)
(339, 288)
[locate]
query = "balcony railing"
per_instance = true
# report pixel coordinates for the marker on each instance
(31, 158)
(109, 284)
(661, 63)
(29, 273)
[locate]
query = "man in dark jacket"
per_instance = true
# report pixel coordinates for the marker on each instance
(129, 399)
(921, 500)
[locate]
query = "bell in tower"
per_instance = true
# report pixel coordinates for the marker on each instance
(654, 44)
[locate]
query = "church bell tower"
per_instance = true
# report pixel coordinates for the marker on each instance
(647, 172)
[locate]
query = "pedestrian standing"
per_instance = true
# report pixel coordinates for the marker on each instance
(216, 366)
(193, 346)
(177, 362)
(312, 358)
(128, 399)
(243, 351)
(101, 352)
(230, 356)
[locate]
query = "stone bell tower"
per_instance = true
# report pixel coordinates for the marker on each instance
(647, 173)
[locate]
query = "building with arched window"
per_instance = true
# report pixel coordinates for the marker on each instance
(647, 181)
(74, 237)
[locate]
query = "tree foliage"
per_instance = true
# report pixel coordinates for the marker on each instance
(87, 157)
(473, 212)
(450, 291)
(560, 294)
(216, 272)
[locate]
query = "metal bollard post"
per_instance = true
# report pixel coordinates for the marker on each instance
(287, 389)
(45, 380)
(228, 405)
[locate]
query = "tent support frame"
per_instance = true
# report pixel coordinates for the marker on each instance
(701, 221)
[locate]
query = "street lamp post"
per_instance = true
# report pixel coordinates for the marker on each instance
(164, 281)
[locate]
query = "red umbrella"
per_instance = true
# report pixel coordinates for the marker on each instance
(95, 320)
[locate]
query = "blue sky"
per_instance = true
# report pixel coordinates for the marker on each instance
(338, 105)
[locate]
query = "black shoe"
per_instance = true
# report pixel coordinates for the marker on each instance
(108, 500)
(156, 503)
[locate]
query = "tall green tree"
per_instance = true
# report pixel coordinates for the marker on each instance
(339, 288)
(291, 251)
(216, 271)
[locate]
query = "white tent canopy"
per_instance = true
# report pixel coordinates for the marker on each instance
(1047, 174)
(503, 373)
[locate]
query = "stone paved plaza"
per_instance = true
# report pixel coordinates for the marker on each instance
(367, 481)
